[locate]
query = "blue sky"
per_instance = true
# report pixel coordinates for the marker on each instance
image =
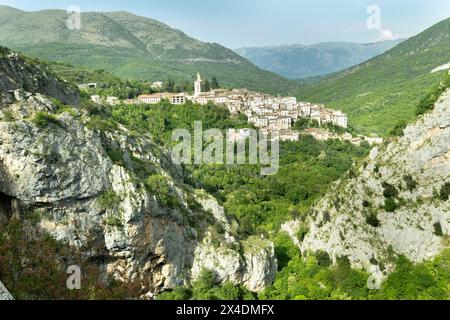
(237, 23)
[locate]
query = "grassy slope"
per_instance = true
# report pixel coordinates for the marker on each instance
(131, 47)
(383, 91)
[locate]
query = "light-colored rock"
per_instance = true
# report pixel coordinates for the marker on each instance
(255, 269)
(4, 293)
(19, 73)
(338, 223)
(63, 171)
(441, 68)
(260, 263)
(223, 260)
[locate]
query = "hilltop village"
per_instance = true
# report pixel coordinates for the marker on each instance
(264, 111)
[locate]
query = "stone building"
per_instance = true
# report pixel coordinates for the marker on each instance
(174, 98)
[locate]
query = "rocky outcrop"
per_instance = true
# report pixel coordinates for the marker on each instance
(4, 293)
(17, 72)
(397, 204)
(255, 269)
(119, 199)
(260, 263)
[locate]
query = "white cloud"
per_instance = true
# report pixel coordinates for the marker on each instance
(386, 35)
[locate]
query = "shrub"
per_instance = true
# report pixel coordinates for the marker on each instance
(390, 205)
(116, 155)
(323, 259)
(158, 186)
(376, 169)
(57, 103)
(351, 174)
(438, 229)
(8, 116)
(301, 234)
(193, 204)
(372, 220)
(203, 287)
(389, 191)
(342, 269)
(68, 109)
(33, 267)
(410, 183)
(398, 129)
(301, 124)
(4, 51)
(229, 292)
(114, 221)
(43, 119)
(108, 200)
(445, 192)
(179, 293)
(97, 123)
(409, 281)
(285, 250)
(428, 102)
(326, 217)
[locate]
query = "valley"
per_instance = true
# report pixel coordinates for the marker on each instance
(382, 92)
(299, 62)
(357, 208)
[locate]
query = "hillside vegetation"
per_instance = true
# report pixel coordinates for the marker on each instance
(130, 46)
(300, 62)
(383, 91)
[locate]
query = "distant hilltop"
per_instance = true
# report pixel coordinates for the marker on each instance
(300, 61)
(130, 46)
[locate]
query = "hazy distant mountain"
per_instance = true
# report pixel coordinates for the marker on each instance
(129, 46)
(385, 90)
(299, 61)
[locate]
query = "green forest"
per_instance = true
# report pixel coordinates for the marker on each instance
(259, 204)
(262, 204)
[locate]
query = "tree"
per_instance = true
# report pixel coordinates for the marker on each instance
(215, 83)
(34, 267)
(187, 87)
(206, 86)
(229, 291)
(170, 86)
(205, 287)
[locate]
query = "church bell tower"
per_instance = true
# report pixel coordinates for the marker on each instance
(198, 86)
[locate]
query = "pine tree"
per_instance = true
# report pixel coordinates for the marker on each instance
(170, 86)
(187, 87)
(215, 83)
(206, 86)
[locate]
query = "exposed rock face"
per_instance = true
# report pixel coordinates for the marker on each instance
(65, 172)
(260, 265)
(4, 294)
(257, 268)
(17, 73)
(404, 179)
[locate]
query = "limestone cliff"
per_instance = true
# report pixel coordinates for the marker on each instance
(18, 72)
(118, 198)
(395, 203)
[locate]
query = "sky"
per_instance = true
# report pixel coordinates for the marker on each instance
(244, 23)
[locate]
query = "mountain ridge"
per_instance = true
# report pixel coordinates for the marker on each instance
(378, 94)
(131, 46)
(298, 61)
